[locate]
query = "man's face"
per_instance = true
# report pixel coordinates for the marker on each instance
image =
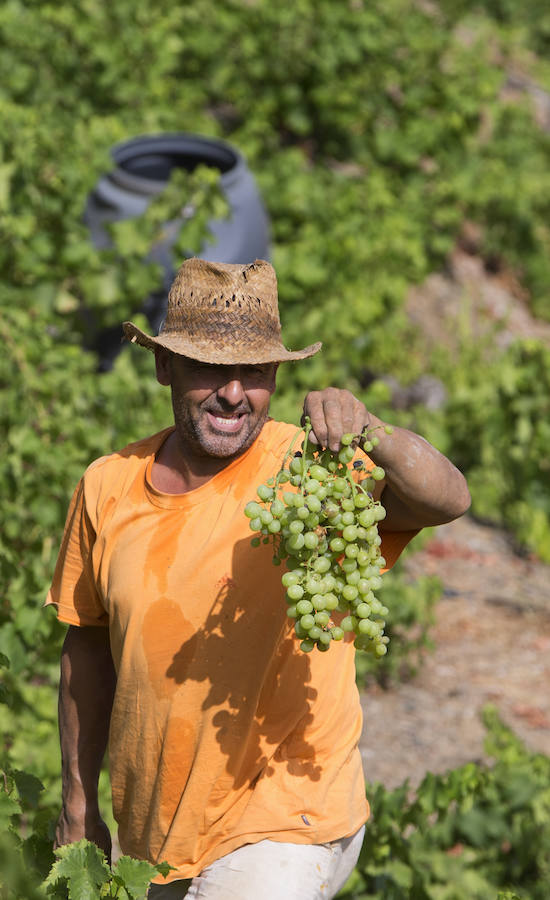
(218, 410)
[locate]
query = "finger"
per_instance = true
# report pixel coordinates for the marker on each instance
(334, 423)
(313, 408)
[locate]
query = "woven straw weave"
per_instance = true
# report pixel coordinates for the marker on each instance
(223, 313)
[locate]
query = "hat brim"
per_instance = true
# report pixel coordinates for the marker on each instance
(225, 354)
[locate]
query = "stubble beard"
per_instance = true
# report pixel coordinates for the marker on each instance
(197, 436)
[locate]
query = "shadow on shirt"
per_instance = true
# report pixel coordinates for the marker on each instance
(259, 697)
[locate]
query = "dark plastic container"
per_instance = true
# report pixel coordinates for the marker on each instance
(142, 168)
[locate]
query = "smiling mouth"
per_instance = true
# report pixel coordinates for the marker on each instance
(227, 424)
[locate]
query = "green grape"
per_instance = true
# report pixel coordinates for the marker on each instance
(363, 610)
(318, 472)
(295, 592)
(346, 455)
(350, 533)
(252, 509)
(353, 577)
(313, 503)
(331, 601)
(277, 508)
(303, 607)
(352, 551)
(350, 592)
(312, 520)
(327, 533)
(311, 486)
(296, 526)
(264, 492)
(290, 578)
(367, 627)
(318, 601)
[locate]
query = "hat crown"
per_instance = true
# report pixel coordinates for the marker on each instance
(212, 291)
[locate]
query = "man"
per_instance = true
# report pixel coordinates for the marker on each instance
(234, 756)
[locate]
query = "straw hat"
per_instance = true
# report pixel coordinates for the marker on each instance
(222, 313)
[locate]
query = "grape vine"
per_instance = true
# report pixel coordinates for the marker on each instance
(327, 532)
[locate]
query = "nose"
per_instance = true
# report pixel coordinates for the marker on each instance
(232, 392)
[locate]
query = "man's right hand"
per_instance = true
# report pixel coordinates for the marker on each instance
(74, 828)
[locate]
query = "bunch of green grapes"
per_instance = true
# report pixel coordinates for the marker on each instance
(327, 532)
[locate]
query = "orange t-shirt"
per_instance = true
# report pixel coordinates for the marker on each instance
(223, 731)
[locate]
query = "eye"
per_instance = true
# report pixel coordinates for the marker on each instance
(259, 373)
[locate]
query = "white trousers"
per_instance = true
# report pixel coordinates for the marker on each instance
(271, 871)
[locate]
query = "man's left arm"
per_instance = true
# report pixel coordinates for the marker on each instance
(421, 488)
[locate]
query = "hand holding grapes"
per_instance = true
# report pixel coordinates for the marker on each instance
(421, 486)
(334, 412)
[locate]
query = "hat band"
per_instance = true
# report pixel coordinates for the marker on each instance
(220, 325)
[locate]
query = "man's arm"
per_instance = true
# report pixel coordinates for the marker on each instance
(421, 488)
(86, 692)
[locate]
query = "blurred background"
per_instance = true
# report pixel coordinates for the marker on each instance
(392, 159)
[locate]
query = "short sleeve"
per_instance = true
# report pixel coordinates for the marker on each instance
(73, 591)
(393, 544)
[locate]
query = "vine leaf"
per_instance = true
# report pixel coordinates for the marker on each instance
(133, 875)
(82, 866)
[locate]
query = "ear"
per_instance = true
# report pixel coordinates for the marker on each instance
(162, 364)
(273, 382)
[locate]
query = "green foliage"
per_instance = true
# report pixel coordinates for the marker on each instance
(507, 463)
(466, 834)
(82, 873)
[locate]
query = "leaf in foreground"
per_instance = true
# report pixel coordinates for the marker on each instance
(134, 876)
(83, 867)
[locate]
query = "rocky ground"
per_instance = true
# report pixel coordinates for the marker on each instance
(492, 645)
